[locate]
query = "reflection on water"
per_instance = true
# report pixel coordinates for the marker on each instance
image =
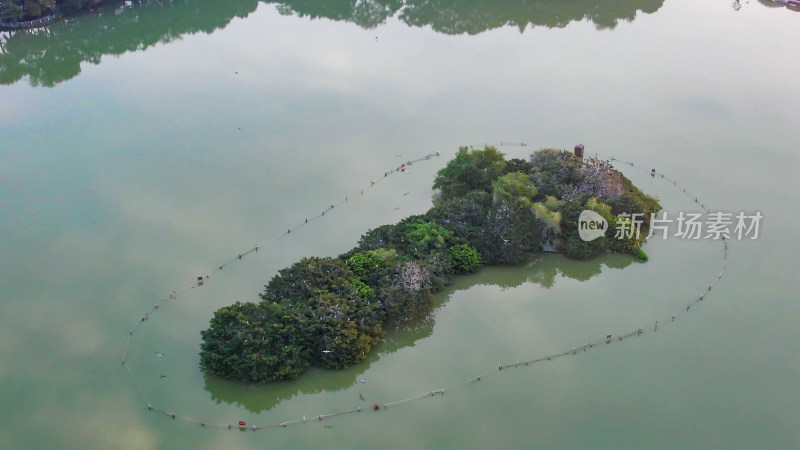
(52, 55)
(264, 396)
(542, 271)
(475, 16)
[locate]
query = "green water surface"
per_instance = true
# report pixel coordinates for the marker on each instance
(142, 146)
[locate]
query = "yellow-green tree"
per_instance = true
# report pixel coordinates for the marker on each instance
(515, 189)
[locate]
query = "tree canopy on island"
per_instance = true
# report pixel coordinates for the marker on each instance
(330, 312)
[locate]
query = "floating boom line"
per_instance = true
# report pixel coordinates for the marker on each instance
(608, 339)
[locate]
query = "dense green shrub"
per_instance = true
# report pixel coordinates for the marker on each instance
(514, 189)
(342, 332)
(518, 165)
(307, 278)
(620, 238)
(577, 248)
(256, 342)
(556, 172)
(467, 217)
(427, 237)
(470, 170)
(406, 294)
(385, 236)
(632, 201)
(364, 264)
(466, 258)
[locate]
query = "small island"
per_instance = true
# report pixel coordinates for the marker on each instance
(330, 312)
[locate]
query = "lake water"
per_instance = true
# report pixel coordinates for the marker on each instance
(143, 146)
